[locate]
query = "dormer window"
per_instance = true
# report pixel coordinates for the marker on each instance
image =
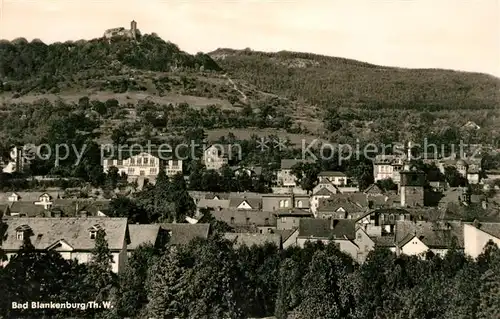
(21, 231)
(93, 231)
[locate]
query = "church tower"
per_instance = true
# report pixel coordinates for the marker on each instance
(412, 187)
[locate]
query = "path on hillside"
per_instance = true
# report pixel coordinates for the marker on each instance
(245, 98)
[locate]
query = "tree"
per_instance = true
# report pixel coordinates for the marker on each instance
(332, 120)
(323, 285)
(112, 177)
(133, 295)
(307, 175)
(387, 184)
(289, 288)
(490, 288)
(453, 177)
(100, 274)
(119, 136)
(123, 206)
(167, 287)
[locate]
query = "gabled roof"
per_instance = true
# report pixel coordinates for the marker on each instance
(74, 231)
(123, 154)
(182, 234)
(142, 234)
(255, 203)
(439, 234)
(492, 229)
(373, 189)
(250, 239)
(327, 228)
(323, 191)
(333, 204)
(71, 207)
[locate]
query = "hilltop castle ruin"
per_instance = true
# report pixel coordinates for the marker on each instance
(132, 33)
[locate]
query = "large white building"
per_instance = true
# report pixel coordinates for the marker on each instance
(143, 165)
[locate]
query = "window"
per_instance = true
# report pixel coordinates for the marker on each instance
(132, 161)
(266, 221)
(232, 220)
(248, 220)
(119, 162)
(130, 171)
(286, 203)
(359, 236)
(299, 203)
(142, 173)
(139, 161)
(282, 204)
(20, 235)
(152, 171)
(152, 161)
(93, 234)
(145, 161)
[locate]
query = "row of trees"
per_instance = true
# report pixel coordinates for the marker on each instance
(316, 281)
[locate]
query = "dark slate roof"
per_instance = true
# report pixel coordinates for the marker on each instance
(29, 196)
(142, 234)
(331, 174)
(293, 212)
(285, 233)
(27, 209)
(239, 217)
(324, 192)
(70, 207)
(327, 228)
(492, 229)
(182, 234)
(74, 231)
(332, 204)
(384, 241)
(439, 234)
(250, 239)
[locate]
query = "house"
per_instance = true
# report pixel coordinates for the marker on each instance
(140, 166)
(251, 171)
(382, 222)
(258, 220)
(288, 237)
(419, 237)
(173, 167)
(341, 232)
(73, 238)
(290, 218)
(274, 202)
(284, 176)
(334, 177)
(339, 208)
(477, 235)
(19, 159)
(183, 234)
(216, 156)
(388, 166)
(80, 207)
(244, 202)
(143, 234)
(212, 204)
(470, 168)
(25, 209)
(251, 239)
(365, 244)
(37, 198)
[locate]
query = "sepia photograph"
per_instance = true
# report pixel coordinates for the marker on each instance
(250, 159)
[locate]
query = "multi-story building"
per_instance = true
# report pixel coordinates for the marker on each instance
(215, 156)
(388, 167)
(285, 177)
(142, 166)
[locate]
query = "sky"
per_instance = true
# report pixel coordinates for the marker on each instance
(451, 34)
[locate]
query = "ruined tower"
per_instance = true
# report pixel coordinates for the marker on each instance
(133, 28)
